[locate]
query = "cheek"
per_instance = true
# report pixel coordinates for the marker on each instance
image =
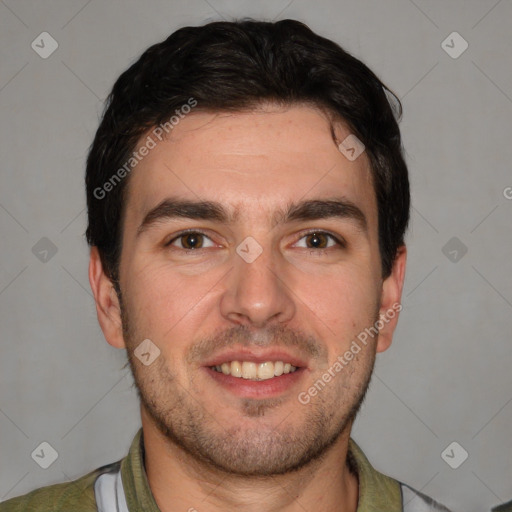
(166, 304)
(343, 300)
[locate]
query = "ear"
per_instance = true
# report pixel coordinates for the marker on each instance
(107, 302)
(390, 306)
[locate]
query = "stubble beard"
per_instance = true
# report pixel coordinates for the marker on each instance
(259, 450)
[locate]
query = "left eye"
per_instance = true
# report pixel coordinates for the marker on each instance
(319, 240)
(191, 240)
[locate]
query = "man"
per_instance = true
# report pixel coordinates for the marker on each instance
(247, 200)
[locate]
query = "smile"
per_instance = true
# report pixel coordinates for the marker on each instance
(254, 371)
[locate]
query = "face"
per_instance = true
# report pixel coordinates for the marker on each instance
(250, 248)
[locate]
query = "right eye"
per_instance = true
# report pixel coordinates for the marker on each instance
(190, 240)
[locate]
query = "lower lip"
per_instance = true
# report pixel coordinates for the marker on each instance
(257, 388)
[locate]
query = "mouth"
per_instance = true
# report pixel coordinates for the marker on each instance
(250, 370)
(256, 374)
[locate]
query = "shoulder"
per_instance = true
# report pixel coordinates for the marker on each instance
(77, 495)
(415, 501)
(504, 507)
(378, 491)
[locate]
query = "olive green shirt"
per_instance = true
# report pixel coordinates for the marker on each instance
(123, 487)
(505, 507)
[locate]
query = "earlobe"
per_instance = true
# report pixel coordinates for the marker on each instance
(107, 303)
(390, 300)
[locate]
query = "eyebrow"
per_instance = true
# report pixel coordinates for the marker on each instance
(174, 208)
(314, 209)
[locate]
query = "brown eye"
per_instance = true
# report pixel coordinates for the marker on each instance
(191, 240)
(317, 240)
(320, 240)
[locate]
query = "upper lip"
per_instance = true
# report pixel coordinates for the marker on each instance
(256, 356)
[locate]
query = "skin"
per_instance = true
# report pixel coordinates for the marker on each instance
(206, 447)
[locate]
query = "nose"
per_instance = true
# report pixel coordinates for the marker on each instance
(256, 293)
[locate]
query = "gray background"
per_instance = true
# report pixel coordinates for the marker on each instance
(447, 376)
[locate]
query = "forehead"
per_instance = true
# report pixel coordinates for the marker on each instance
(250, 161)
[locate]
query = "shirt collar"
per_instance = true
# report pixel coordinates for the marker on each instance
(135, 481)
(377, 492)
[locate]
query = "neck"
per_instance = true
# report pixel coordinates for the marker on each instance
(180, 482)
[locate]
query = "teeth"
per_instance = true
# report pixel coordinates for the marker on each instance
(254, 371)
(249, 370)
(235, 369)
(265, 370)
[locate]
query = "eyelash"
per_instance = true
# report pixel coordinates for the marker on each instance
(339, 241)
